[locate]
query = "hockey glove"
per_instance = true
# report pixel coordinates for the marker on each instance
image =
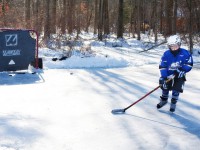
(179, 73)
(163, 84)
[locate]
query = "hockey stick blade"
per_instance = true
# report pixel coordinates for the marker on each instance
(118, 111)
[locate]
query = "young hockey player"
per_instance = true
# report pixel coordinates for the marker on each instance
(175, 63)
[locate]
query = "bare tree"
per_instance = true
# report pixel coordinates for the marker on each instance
(156, 20)
(138, 20)
(96, 16)
(100, 21)
(53, 4)
(133, 17)
(63, 17)
(3, 13)
(161, 16)
(197, 14)
(169, 14)
(27, 14)
(36, 24)
(106, 17)
(120, 24)
(78, 18)
(70, 15)
(190, 7)
(174, 20)
(47, 21)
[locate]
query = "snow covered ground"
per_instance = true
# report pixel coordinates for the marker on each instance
(67, 105)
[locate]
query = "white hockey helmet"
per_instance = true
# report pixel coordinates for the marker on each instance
(174, 39)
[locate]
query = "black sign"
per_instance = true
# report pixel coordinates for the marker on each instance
(17, 49)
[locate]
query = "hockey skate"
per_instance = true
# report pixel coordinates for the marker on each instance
(163, 102)
(173, 105)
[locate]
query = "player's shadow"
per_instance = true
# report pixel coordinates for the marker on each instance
(20, 78)
(189, 125)
(153, 120)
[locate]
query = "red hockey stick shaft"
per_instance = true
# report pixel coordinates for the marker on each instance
(146, 95)
(141, 98)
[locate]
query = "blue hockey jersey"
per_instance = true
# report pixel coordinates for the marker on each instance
(170, 63)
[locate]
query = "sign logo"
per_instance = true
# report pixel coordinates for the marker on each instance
(16, 52)
(11, 62)
(11, 39)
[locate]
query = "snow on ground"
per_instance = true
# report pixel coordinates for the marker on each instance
(67, 105)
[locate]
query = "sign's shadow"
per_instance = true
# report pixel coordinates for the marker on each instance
(20, 78)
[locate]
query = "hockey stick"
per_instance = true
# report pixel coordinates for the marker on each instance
(121, 111)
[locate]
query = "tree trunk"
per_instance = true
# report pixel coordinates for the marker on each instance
(100, 22)
(138, 20)
(106, 17)
(3, 13)
(78, 19)
(96, 17)
(53, 16)
(36, 15)
(120, 24)
(161, 16)
(70, 14)
(156, 22)
(133, 18)
(169, 14)
(63, 17)
(174, 17)
(27, 14)
(197, 15)
(47, 21)
(189, 3)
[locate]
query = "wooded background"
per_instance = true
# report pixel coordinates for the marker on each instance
(103, 17)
